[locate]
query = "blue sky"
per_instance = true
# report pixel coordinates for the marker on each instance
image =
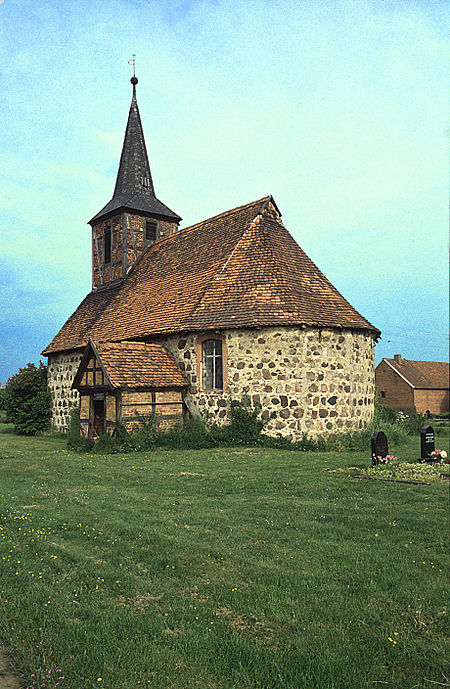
(338, 109)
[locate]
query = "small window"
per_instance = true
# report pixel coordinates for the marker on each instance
(383, 394)
(151, 228)
(107, 245)
(212, 365)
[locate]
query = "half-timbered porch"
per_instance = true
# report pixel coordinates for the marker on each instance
(128, 382)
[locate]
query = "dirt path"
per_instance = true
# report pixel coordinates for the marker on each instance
(7, 680)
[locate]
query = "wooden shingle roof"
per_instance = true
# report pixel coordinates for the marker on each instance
(136, 365)
(134, 190)
(241, 268)
(422, 374)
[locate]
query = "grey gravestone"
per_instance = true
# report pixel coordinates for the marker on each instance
(379, 446)
(426, 443)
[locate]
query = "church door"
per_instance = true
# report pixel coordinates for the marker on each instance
(99, 415)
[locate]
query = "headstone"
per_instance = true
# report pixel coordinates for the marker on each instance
(426, 443)
(379, 446)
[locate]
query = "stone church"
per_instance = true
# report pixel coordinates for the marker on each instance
(179, 321)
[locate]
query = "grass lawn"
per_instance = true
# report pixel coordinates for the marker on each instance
(219, 569)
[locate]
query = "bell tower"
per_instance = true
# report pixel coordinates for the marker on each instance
(134, 218)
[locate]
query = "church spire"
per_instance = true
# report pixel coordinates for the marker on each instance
(134, 190)
(134, 168)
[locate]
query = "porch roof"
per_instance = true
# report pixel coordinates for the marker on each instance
(136, 365)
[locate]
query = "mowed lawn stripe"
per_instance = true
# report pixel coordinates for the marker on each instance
(219, 568)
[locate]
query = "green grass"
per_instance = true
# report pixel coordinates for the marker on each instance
(219, 569)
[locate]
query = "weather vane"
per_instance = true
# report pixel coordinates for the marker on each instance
(133, 79)
(133, 62)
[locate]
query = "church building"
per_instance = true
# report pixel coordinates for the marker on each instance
(180, 321)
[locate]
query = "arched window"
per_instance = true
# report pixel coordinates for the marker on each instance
(212, 361)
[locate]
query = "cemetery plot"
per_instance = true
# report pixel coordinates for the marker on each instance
(379, 447)
(426, 444)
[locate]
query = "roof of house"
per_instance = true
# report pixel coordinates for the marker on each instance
(422, 374)
(137, 365)
(134, 188)
(241, 268)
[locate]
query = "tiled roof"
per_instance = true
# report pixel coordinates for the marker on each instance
(137, 365)
(81, 323)
(241, 268)
(423, 374)
(134, 188)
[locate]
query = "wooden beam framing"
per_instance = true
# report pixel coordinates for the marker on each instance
(114, 250)
(124, 245)
(100, 271)
(133, 238)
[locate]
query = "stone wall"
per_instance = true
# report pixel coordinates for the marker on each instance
(61, 372)
(317, 381)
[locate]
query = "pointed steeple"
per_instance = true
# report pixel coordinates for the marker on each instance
(134, 169)
(134, 190)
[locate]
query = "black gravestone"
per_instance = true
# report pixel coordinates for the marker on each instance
(426, 443)
(379, 446)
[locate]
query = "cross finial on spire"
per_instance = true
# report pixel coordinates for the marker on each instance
(133, 79)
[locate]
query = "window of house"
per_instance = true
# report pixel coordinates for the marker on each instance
(212, 365)
(383, 394)
(107, 245)
(151, 231)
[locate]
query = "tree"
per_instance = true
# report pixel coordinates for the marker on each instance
(28, 400)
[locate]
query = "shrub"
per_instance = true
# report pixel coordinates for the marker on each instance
(411, 421)
(414, 421)
(443, 415)
(244, 428)
(74, 439)
(28, 400)
(383, 414)
(3, 399)
(191, 434)
(409, 471)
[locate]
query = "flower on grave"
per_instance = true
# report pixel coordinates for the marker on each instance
(386, 460)
(440, 456)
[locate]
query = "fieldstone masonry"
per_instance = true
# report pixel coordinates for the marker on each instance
(60, 375)
(317, 381)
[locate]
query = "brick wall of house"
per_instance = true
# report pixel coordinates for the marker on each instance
(317, 381)
(397, 392)
(133, 227)
(435, 401)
